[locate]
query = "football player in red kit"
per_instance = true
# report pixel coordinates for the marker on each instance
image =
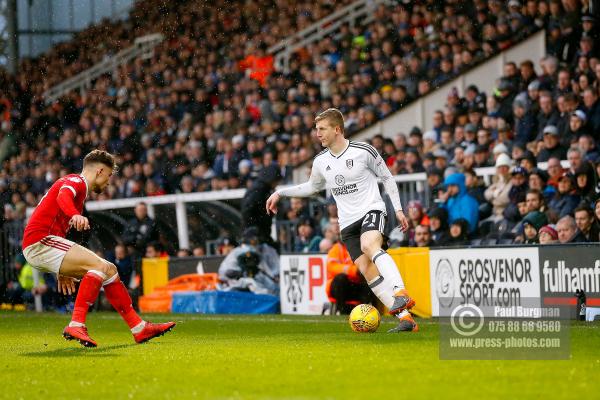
(46, 248)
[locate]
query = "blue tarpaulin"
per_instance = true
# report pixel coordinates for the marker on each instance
(217, 302)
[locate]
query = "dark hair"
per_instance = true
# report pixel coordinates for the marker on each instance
(99, 156)
(586, 208)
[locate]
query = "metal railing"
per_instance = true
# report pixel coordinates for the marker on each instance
(142, 47)
(360, 11)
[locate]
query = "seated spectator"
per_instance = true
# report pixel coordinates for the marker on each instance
(584, 218)
(535, 201)
(416, 217)
(459, 233)
(251, 266)
(475, 186)
(551, 146)
(199, 251)
(587, 144)
(422, 237)
(555, 171)
(575, 158)
(225, 246)
(532, 223)
(306, 241)
(516, 195)
(183, 253)
(434, 181)
(585, 180)
(568, 231)
(140, 230)
(155, 250)
(538, 181)
(458, 203)
(344, 281)
(565, 200)
(548, 235)
(438, 224)
(123, 262)
(497, 192)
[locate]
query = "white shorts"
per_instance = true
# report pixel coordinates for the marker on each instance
(47, 254)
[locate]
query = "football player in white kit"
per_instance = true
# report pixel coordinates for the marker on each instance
(350, 170)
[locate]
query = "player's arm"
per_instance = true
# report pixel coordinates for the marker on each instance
(315, 184)
(378, 166)
(65, 200)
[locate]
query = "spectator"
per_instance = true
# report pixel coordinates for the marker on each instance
(548, 235)
(422, 236)
(535, 201)
(458, 202)
(565, 200)
(587, 144)
(438, 223)
(532, 223)
(575, 160)
(124, 263)
(416, 215)
(585, 181)
(344, 281)
(307, 241)
(497, 192)
(459, 233)
(434, 181)
(140, 230)
(252, 266)
(551, 146)
(596, 223)
(155, 250)
(555, 171)
(584, 219)
(199, 251)
(568, 231)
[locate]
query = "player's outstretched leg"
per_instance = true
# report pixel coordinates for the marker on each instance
(119, 298)
(385, 280)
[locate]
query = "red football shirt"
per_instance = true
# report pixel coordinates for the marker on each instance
(64, 199)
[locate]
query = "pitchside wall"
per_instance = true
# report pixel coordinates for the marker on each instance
(478, 275)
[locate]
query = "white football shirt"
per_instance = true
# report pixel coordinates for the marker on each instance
(352, 179)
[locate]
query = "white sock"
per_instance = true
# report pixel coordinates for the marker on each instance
(388, 270)
(402, 314)
(382, 291)
(138, 328)
(110, 280)
(101, 274)
(74, 324)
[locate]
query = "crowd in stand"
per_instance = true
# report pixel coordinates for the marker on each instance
(208, 111)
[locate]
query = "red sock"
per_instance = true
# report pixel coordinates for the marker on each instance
(88, 293)
(119, 298)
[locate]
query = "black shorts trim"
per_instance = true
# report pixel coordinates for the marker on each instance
(372, 221)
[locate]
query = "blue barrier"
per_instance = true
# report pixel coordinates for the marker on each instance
(217, 302)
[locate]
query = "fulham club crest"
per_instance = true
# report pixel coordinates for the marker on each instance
(349, 163)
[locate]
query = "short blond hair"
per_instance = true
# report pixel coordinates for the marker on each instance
(333, 116)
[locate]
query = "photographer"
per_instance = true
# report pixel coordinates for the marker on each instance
(252, 266)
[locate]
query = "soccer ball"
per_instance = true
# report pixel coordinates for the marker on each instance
(364, 318)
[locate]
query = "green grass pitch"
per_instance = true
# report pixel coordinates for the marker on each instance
(271, 357)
